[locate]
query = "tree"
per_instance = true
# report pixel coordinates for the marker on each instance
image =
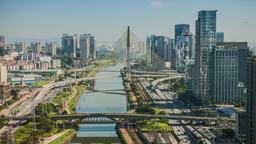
(15, 94)
(4, 138)
(43, 111)
(2, 122)
(2, 52)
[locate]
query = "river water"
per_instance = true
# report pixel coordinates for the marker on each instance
(101, 102)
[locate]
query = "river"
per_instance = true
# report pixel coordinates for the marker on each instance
(101, 102)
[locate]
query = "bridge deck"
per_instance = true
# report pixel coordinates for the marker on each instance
(125, 116)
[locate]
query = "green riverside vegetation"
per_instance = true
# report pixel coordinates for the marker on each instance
(45, 127)
(155, 126)
(65, 137)
(40, 83)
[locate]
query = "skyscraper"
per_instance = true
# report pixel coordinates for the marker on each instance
(205, 42)
(251, 101)
(149, 42)
(181, 29)
(20, 47)
(220, 36)
(230, 69)
(87, 47)
(36, 47)
(159, 46)
(69, 45)
(84, 47)
(170, 48)
(51, 48)
(92, 48)
(159, 50)
(185, 50)
(2, 42)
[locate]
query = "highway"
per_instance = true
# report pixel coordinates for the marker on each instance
(178, 76)
(184, 134)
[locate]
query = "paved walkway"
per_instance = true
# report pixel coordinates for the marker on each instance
(73, 94)
(126, 136)
(53, 137)
(135, 136)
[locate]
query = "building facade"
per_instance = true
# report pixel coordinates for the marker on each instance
(5, 87)
(159, 51)
(181, 29)
(251, 101)
(36, 47)
(5, 92)
(191, 75)
(84, 47)
(69, 45)
(92, 48)
(51, 48)
(2, 42)
(3, 74)
(220, 36)
(185, 50)
(240, 129)
(205, 42)
(20, 47)
(230, 69)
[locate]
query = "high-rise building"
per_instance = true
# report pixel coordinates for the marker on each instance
(170, 48)
(251, 101)
(159, 50)
(3, 74)
(51, 48)
(20, 47)
(92, 48)
(229, 70)
(69, 45)
(181, 29)
(240, 129)
(5, 87)
(87, 47)
(191, 74)
(2, 42)
(149, 42)
(205, 42)
(159, 46)
(36, 47)
(84, 47)
(220, 36)
(185, 50)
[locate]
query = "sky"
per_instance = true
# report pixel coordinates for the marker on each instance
(47, 20)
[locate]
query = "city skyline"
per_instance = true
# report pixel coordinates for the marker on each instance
(47, 20)
(150, 71)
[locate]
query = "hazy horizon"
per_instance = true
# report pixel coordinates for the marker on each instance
(47, 20)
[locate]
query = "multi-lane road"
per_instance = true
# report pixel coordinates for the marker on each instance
(183, 133)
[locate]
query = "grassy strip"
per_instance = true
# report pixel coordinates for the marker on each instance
(25, 133)
(40, 83)
(150, 126)
(72, 103)
(7, 103)
(65, 137)
(62, 96)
